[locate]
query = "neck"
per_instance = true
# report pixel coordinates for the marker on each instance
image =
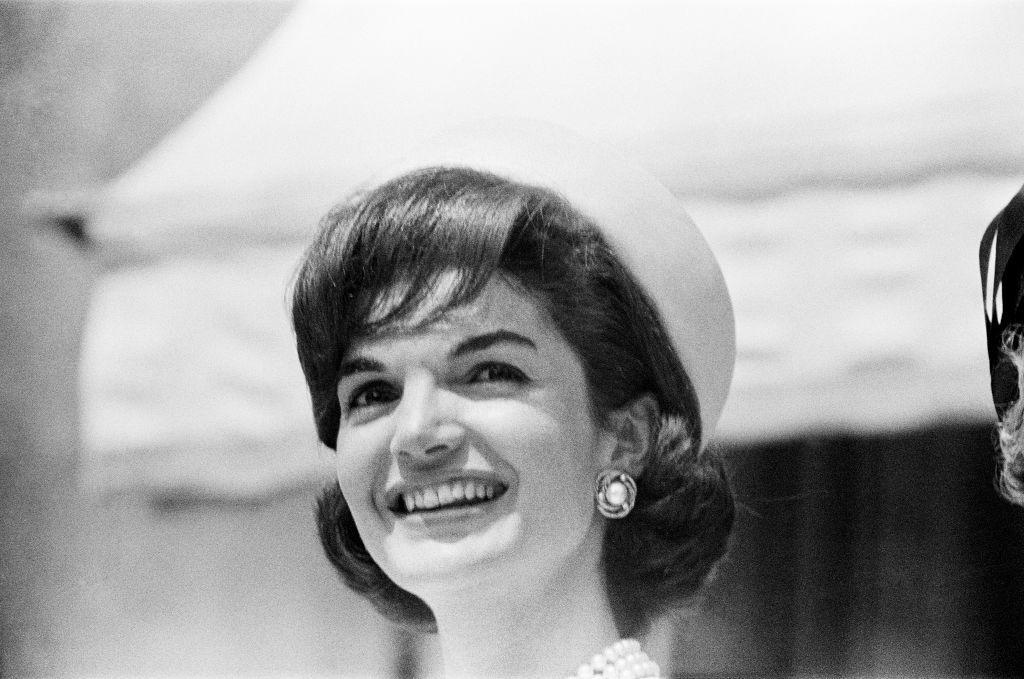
(528, 626)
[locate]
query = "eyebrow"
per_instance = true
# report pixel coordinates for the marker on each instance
(360, 364)
(489, 339)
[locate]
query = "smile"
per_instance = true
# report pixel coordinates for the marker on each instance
(446, 495)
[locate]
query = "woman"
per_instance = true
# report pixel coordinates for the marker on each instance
(517, 345)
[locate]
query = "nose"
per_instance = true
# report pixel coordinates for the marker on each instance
(425, 425)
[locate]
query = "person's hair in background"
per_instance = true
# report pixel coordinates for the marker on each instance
(1010, 426)
(390, 245)
(1001, 259)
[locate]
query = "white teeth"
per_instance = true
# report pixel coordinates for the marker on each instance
(447, 493)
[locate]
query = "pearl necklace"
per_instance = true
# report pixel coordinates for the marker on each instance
(622, 660)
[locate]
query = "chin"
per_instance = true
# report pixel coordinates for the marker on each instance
(445, 558)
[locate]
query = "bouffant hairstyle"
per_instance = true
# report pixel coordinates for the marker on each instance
(1011, 425)
(392, 243)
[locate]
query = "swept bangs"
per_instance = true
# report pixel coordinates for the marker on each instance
(417, 228)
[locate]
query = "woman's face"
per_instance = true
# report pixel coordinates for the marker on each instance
(467, 447)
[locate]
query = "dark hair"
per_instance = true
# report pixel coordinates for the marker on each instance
(1010, 426)
(395, 241)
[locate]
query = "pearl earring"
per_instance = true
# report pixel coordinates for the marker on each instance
(615, 494)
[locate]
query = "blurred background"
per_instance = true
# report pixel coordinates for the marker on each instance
(164, 163)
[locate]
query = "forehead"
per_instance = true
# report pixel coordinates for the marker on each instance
(499, 305)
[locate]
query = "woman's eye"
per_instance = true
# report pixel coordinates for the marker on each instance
(371, 394)
(497, 372)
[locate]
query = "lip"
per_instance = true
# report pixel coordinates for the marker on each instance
(393, 502)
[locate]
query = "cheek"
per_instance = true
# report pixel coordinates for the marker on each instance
(358, 463)
(553, 454)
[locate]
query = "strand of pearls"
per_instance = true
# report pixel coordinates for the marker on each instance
(622, 660)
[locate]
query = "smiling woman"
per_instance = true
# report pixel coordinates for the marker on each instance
(519, 415)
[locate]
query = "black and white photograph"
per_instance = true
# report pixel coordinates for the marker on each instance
(511, 339)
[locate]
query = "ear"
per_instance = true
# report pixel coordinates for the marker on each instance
(633, 428)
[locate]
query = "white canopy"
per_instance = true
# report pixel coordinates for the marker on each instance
(843, 159)
(717, 99)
